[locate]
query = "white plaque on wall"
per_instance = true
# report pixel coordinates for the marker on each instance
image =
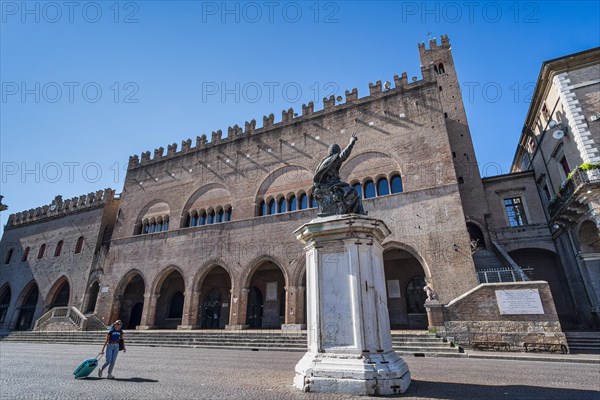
(519, 301)
(393, 289)
(104, 289)
(271, 291)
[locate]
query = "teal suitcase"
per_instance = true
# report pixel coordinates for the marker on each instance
(87, 367)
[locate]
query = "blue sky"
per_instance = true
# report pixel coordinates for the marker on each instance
(87, 84)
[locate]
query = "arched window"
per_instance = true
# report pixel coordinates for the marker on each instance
(166, 224)
(382, 187)
(435, 68)
(313, 202)
(79, 245)
(272, 207)
(159, 226)
(146, 227)
(4, 303)
(303, 203)
(58, 249)
(441, 68)
(397, 184)
(176, 305)
(8, 256)
(211, 217)
(187, 219)
(42, 251)
(25, 254)
(292, 203)
(153, 227)
(220, 215)
(194, 219)
(203, 217)
(369, 190)
(228, 214)
(415, 295)
(262, 208)
(281, 205)
(358, 189)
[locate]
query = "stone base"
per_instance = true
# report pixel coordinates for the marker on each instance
(186, 327)
(145, 327)
(235, 327)
(292, 329)
(374, 374)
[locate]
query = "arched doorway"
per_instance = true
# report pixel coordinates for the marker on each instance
(27, 309)
(5, 295)
(169, 307)
(547, 267)
(476, 236)
(92, 297)
(255, 308)
(60, 295)
(264, 297)
(404, 273)
(215, 294)
(132, 301)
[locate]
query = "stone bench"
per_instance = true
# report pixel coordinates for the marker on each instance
(490, 345)
(552, 347)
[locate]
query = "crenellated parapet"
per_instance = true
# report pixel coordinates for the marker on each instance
(330, 104)
(60, 207)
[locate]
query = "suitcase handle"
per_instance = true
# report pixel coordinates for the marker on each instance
(99, 356)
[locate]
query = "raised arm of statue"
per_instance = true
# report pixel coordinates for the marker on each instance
(346, 152)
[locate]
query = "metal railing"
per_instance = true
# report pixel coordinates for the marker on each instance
(578, 179)
(72, 313)
(496, 275)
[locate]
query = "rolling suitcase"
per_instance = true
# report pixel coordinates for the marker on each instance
(86, 367)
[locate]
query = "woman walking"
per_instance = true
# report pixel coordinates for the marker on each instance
(111, 345)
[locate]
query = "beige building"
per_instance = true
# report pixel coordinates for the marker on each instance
(560, 145)
(203, 236)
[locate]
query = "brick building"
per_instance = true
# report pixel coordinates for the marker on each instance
(202, 235)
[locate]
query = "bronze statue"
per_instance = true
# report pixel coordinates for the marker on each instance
(333, 196)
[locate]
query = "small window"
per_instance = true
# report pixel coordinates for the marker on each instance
(25, 255)
(313, 202)
(159, 226)
(79, 245)
(166, 225)
(42, 251)
(281, 205)
(220, 215)
(272, 207)
(303, 203)
(369, 190)
(382, 187)
(58, 249)
(153, 227)
(358, 188)
(515, 211)
(441, 69)
(146, 228)
(228, 214)
(194, 219)
(188, 220)
(203, 217)
(461, 180)
(8, 256)
(292, 203)
(262, 208)
(397, 184)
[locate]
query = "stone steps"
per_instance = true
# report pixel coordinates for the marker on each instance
(583, 342)
(406, 344)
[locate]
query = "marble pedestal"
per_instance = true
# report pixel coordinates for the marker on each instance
(349, 340)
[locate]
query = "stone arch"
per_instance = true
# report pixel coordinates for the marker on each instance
(130, 298)
(154, 209)
(283, 180)
(589, 237)
(91, 296)
(6, 297)
(27, 305)
(209, 195)
(368, 164)
(403, 266)
(170, 287)
(58, 293)
(299, 275)
(475, 231)
(547, 267)
(206, 268)
(215, 292)
(265, 280)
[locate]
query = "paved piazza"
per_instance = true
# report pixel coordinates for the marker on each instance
(43, 371)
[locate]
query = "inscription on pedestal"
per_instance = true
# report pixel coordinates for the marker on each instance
(519, 301)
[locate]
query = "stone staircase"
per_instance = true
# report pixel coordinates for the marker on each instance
(486, 260)
(418, 344)
(94, 323)
(583, 342)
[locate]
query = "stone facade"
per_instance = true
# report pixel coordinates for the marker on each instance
(202, 235)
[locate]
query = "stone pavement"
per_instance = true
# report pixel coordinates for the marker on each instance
(44, 371)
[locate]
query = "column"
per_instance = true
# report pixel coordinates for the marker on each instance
(238, 309)
(190, 310)
(149, 313)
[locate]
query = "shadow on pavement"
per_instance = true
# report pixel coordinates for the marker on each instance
(135, 380)
(463, 391)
